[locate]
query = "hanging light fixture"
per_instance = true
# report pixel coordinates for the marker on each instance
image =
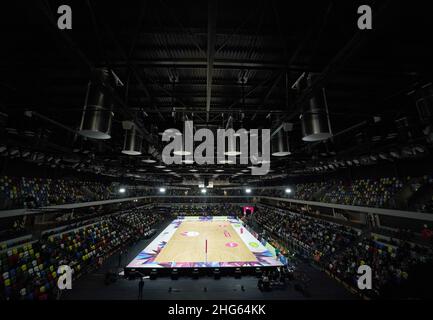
(257, 158)
(187, 130)
(97, 113)
(148, 160)
(280, 143)
(181, 150)
(133, 141)
(315, 121)
(223, 161)
(232, 148)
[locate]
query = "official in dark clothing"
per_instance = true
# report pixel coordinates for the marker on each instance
(140, 289)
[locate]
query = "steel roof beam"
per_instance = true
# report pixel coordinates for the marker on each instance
(211, 39)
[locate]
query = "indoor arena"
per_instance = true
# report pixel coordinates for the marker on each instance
(216, 150)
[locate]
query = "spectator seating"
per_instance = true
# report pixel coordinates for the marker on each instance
(30, 271)
(19, 192)
(392, 265)
(319, 237)
(378, 192)
(207, 210)
(398, 264)
(365, 192)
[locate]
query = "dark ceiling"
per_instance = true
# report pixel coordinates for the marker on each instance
(159, 51)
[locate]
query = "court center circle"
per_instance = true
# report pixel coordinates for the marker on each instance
(231, 244)
(190, 233)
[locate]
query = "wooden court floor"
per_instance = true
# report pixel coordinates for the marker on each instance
(189, 242)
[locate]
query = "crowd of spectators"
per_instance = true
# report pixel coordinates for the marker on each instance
(365, 192)
(29, 272)
(141, 222)
(309, 190)
(427, 207)
(425, 183)
(271, 192)
(320, 238)
(204, 200)
(368, 192)
(207, 210)
(396, 268)
(400, 267)
(12, 227)
(195, 191)
(24, 192)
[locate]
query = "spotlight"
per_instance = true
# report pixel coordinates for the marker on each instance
(419, 149)
(97, 114)
(122, 190)
(232, 151)
(162, 190)
(132, 144)
(383, 156)
(181, 152)
(233, 144)
(263, 162)
(280, 144)
(148, 160)
(408, 152)
(315, 119)
(248, 190)
(288, 190)
(203, 191)
(394, 154)
(225, 161)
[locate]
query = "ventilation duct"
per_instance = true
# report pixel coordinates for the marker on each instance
(97, 113)
(315, 118)
(133, 140)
